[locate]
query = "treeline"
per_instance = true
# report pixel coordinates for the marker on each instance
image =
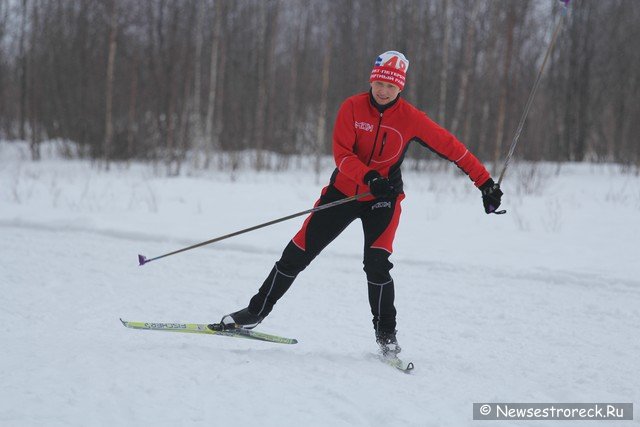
(185, 80)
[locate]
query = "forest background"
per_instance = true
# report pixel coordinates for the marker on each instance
(186, 82)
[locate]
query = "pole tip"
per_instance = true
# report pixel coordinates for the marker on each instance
(142, 259)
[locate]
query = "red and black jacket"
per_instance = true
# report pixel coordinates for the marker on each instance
(368, 137)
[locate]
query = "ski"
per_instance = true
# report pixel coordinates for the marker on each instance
(397, 363)
(201, 328)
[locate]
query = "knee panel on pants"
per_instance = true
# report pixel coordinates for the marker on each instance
(377, 266)
(293, 260)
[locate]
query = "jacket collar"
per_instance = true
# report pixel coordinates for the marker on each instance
(379, 107)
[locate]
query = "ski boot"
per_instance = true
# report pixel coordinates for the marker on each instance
(388, 343)
(242, 319)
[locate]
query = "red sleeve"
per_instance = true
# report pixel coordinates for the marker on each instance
(344, 139)
(448, 146)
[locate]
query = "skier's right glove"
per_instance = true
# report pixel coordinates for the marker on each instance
(378, 185)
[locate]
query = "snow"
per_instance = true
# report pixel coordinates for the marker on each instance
(538, 305)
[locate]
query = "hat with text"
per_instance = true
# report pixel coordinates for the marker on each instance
(390, 67)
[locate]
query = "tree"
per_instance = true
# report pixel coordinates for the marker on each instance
(113, 44)
(444, 69)
(23, 70)
(324, 96)
(212, 133)
(466, 69)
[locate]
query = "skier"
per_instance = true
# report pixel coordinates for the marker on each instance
(371, 136)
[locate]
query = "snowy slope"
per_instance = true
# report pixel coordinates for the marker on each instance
(539, 305)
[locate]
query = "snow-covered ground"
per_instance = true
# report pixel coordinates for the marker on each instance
(538, 305)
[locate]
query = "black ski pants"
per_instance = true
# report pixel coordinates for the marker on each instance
(379, 218)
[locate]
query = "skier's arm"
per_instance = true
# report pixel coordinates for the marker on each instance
(344, 139)
(443, 143)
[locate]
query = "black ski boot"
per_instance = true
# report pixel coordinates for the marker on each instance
(242, 319)
(388, 343)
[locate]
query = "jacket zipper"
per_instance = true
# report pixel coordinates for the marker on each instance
(373, 149)
(384, 140)
(375, 141)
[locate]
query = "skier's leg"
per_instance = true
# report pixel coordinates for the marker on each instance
(318, 230)
(380, 222)
(282, 275)
(381, 289)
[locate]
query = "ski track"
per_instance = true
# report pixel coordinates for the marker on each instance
(556, 276)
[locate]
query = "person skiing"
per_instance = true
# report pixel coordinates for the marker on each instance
(371, 135)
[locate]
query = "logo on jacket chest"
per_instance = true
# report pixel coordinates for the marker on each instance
(368, 127)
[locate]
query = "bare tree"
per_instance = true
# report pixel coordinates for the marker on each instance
(34, 90)
(218, 79)
(4, 113)
(467, 68)
(444, 70)
(261, 101)
(113, 32)
(292, 99)
(211, 133)
(133, 99)
(506, 78)
(322, 113)
(23, 70)
(195, 110)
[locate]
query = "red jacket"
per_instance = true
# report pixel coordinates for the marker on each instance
(364, 139)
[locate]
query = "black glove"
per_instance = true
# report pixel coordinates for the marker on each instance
(491, 195)
(379, 186)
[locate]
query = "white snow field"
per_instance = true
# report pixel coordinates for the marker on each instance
(539, 305)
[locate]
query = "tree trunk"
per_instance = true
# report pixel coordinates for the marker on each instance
(444, 71)
(211, 137)
(23, 73)
(195, 119)
(185, 98)
(467, 68)
(292, 109)
(411, 92)
(270, 73)
(322, 112)
(261, 102)
(35, 124)
(218, 119)
(133, 96)
(504, 91)
(171, 63)
(583, 83)
(4, 113)
(113, 29)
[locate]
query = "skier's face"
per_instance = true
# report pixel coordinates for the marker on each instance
(384, 92)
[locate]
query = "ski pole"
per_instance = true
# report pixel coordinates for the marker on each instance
(565, 7)
(143, 260)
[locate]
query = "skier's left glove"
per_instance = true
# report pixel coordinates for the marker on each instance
(491, 195)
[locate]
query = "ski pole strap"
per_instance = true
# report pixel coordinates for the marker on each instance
(532, 94)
